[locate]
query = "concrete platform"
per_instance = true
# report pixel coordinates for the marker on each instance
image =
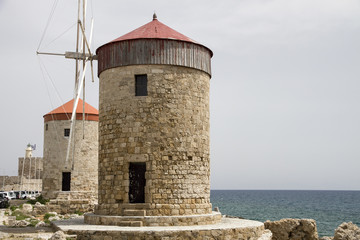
(227, 228)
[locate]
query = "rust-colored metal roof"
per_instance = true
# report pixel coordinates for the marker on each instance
(154, 29)
(64, 112)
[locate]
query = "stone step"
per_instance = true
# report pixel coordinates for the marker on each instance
(134, 212)
(135, 205)
(130, 224)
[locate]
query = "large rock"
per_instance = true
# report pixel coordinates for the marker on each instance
(40, 224)
(293, 229)
(27, 208)
(39, 209)
(59, 235)
(21, 223)
(347, 231)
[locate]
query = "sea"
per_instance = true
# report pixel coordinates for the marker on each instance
(328, 208)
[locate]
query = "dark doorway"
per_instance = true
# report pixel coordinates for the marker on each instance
(137, 182)
(66, 179)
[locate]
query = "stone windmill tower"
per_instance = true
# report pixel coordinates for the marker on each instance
(76, 179)
(154, 130)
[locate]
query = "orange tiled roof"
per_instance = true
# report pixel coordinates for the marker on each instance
(64, 112)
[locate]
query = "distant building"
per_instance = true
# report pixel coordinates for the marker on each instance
(29, 174)
(30, 167)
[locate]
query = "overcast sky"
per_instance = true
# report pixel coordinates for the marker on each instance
(285, 89)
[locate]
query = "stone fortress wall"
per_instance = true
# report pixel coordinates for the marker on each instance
(27, 178)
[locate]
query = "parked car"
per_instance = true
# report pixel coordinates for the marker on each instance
(23, 195)
(5, 195)
(17, 194)
(4, 202)
(37, 193)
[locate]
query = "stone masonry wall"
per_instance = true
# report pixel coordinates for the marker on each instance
(84, 166)
(27, 166)
(168, 130)
(16, 183)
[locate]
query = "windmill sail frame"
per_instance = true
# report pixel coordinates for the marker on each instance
(84, 55)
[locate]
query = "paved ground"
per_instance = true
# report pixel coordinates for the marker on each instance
(78, 224)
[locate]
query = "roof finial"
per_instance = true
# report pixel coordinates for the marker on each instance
(154, 16)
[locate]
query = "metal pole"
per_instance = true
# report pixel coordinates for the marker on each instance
(83, 46)
(30, 172)
(3, 181)
(46, 53)
(22, 174)
(35, 176)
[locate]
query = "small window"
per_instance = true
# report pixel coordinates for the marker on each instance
(66, 132)
(46, 127)
(141, 85)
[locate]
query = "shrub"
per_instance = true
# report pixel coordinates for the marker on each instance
(39, 199)
(47, 216)
(79, 213)
(13, 208)
(33, 222)
(20, 215)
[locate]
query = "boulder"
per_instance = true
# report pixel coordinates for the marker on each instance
(54, 218)
(21, 223)
(294, 229)
(347, 231)
(11, 221)
(39, 209)
(59, 235)
(40, 224)
(27, 208)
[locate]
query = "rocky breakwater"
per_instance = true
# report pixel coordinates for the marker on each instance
(294, 229)
(346, 231)
(305, 229)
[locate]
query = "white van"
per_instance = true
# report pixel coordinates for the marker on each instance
(11, 195)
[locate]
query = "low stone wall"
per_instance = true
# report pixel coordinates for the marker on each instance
(72, 202)
(139, 221)
(70, 206)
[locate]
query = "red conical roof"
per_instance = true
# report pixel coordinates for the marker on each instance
(64, 112)
(154, 29)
